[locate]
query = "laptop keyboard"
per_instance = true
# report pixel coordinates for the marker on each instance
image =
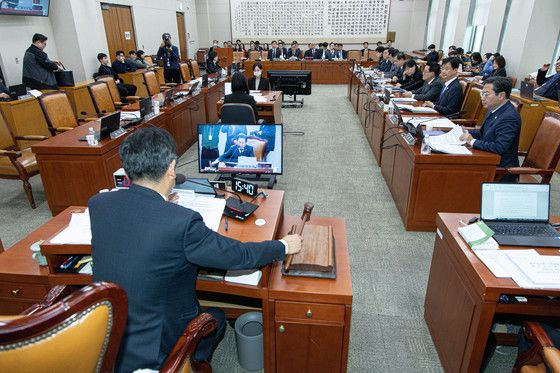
(534, 230)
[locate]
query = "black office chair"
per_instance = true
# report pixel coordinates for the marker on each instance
(238, 114)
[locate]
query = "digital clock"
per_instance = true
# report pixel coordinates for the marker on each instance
(245, 187)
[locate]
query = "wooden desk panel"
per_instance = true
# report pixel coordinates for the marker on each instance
(322, 72)
(532, 114)
(213, 94)
(80, 99)
(462, 299)
(270, 111)
(136, 78)
(25, 117)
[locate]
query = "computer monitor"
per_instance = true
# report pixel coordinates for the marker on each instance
(240, 149)
(204, 81)
(145, 106)
(290, 82)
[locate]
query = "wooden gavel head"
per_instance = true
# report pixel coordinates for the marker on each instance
(307, 208)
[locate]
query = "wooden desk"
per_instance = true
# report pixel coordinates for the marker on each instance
(532, 114)
(270, 111)
(423, 185)
(80, 99)
(72, 171)
(212, 94)
(462, 299)
(25, 117)
(136, 78)
(322, 72)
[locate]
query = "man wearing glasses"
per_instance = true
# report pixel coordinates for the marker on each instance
(499, 132)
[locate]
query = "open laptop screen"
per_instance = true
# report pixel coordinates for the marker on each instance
(515, 202)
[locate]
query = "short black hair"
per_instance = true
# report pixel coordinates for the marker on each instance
(239, 83)
(476, 57)
(453, 61)
(365, 42)
(380, 49)
(496, 54)
(39, 37)
(389, 40)
(434, 68)
(212, 55)
(452, 47)
(139, 53)
(241, 136)
(401, 56)
(118, 53)
(274, 41)
(131, 52)
(100, 56)
(488, 55)
(257, 64)
(411, 63)
(393, 52)
(500, 61)
(500, 84)
(460, 50)
(432, 46)
(147, 153)
(379, 42)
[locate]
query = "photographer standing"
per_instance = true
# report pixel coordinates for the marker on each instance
(169, 54)
(38, 70)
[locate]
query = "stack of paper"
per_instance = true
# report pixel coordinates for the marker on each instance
(434, 122)
(227, 88)
(479, 236)
(449, 142)
(130, 115)
(210, 208)
(246, 277)
(404, 99)
(78, 231)
(259, 98)
(417, 109)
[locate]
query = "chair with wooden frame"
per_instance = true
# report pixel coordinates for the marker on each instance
(114, 90)
(517, 103)
(543, 353)
(259, 147)
(58, 112)
(152, 84)
(195, 71)
(513, 80)
(101, 97)
(354, 55)
(542, 157)
(185, 72)
(149, 60)
(255, 56)
(90, 323)
(472, 111)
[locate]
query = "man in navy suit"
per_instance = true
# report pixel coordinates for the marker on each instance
(323, 52)
(152, 249)
(549, 87)
(240, 149)
(273, 52)
(451, 96)
(500, 131)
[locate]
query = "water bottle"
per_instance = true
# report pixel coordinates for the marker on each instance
(425, 149)
(91, 131)
(155, 106)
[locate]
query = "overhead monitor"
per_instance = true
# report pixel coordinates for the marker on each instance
(38, 8)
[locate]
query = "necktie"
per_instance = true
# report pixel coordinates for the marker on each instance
(443, 90)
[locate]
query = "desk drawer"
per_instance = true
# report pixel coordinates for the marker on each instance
(309, 311)
(12, 290)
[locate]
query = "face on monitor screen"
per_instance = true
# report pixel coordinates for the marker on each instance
(240, 149)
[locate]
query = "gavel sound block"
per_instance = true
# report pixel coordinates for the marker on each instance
(316, 258)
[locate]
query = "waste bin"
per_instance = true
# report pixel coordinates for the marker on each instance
(249, 340)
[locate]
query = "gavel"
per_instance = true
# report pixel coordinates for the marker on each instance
(305, 217)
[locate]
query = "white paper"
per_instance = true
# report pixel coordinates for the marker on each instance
(417, 109)
(130, 115)
(227, 88)
(404, 99)
(246, 277)
(247, 161)
(493, 260)
(258, 97)
(210, 208)
(34, 93)
(78, 231)
(538, 269)
(434, 122)
(449, 138)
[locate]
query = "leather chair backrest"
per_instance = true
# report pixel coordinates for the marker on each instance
(237, 56)
(237, 114)
(185, 72)
(254, 55)
(101, 97)
(354, 55)
(517, 103)
(544, 151)
(149, 60)
(195, 70)
(472, 104)
(464, 86)
(439, 55)
(513, 80)
(7, 140)
(113, 89)
(151, 81)
(58, 110)
(259, 147)
(81, 333)
(372, 55)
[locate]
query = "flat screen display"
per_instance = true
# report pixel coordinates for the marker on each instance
(240, 149)
(38, 8)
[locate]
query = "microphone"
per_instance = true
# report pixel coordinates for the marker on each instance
(180, 179)
(455, 115)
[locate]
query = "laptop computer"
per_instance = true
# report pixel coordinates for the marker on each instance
(16, 91)
(527, 90)
(204, 80)
(519, 214)
(109, 123)
(168, 98)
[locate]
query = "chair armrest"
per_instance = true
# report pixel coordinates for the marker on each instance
(85, 120)
(133, 98)
(521, 153)
(542, 349)
(523, 171)
(10, 153)
(465, 122)
(183, 351)
(63, 129)
(55, 294)
(171, 84)
(32, 137)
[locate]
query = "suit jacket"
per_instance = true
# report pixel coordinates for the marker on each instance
(264, 84)
(413, 82)
(297, 53)
(548, 86)
(3, 88)
(283, 52)
(385, 66)
(429, 92)
(319, 54)
(233, 153)
(107, 70)
(500, 134)
(242, 98)
(310, 53)
(432, 57)
(152, 249)
(273, 53)
(365, 52)
(450, 99)
(212, 67)
(498, 72)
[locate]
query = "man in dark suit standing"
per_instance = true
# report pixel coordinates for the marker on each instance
(549, 87)
(451, 96)
(432, 84)
(240, 149)
(500, 131)
(152, 249)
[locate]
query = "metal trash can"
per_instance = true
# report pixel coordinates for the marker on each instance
(249, 340)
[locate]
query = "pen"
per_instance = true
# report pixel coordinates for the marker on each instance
(226, 225)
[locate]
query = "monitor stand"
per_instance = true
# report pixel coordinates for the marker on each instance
(292, 103)
(270, 180)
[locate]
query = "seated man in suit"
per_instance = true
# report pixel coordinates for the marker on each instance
(283, 52)
(310, 52)
(240, 93)
(387, 64)
(549, 87)
(499, 132)
(294, 53)
(120, 64)
(400, 60)
(432, 84)
(451, 96)
(365, 50)
(240, 149)
(323, 52)
(341, 53)
(257, 82)
(432, 55)
(273, 52)
(105, 69)
(152, 248)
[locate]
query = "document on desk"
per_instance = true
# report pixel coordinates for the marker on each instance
(78, 231)
(417, 109)
(245, 277)
(259, 98)
(540, 270)
(427, 121)
(449, 142)
(404, 99)
(130, 115)
(210, 208)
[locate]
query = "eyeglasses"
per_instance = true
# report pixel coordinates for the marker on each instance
(484, 94)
